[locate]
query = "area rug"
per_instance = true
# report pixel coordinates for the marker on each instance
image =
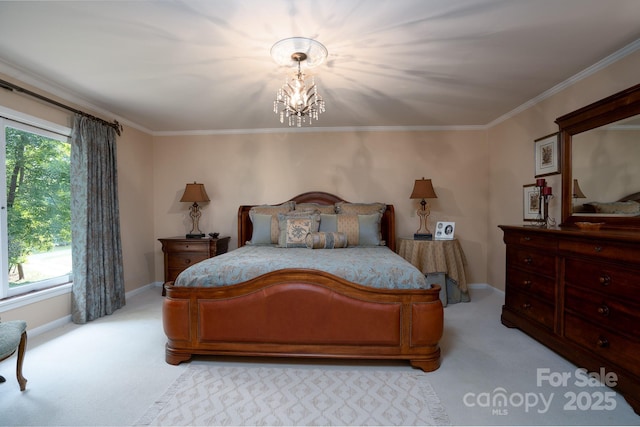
(212, 395)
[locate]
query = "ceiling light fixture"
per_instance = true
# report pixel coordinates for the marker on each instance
(294, 100)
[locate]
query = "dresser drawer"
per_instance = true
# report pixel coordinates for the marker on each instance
(608, 279)
(530, 307)
(617, 316)
(611, 346)
(531, 283)
(530, 239)
(531, 260)
(184, 260)
(602, 250)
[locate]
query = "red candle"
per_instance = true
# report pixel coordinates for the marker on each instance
(540, 182)
(546, 191)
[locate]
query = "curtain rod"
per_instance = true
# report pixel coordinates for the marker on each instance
(11, 87)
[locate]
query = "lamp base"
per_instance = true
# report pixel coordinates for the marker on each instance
(420, 236)
(194, 236)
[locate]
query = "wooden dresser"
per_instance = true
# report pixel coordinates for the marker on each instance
(180, 253)
(578, 293)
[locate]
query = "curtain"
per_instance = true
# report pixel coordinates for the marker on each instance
(98, 279)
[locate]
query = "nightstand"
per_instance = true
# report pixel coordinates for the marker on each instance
(440, 260)
(180, 253)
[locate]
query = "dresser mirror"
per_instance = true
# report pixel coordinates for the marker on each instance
(600, 148)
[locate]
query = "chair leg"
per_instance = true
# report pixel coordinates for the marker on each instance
(21, 349)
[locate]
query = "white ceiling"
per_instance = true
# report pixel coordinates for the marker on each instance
(183, 66)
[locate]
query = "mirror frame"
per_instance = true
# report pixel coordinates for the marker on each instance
(611, 109)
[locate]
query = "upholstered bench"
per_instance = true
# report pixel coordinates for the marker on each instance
(13, 336)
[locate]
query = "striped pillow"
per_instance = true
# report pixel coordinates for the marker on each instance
(326, 240)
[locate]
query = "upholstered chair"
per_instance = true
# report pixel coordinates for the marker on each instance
(13, 336)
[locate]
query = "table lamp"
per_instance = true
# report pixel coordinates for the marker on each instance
(423, 189)
(195, 193)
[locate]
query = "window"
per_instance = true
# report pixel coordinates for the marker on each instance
(35, 211)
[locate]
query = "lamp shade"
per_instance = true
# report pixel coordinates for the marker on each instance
(577, 192)
(194, 193)
(423, 189)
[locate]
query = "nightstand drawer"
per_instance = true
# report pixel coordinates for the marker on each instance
(196, 245)
(181, 253)
(184, 260)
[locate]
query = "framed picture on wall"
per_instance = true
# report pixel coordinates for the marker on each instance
(531, 202)
(444, 230)
(547, 155)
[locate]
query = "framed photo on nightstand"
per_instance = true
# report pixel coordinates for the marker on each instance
(444, 230)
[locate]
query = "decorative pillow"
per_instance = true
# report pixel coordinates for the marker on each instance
(294, 228)
(628, 207)
(260, 224)
(262, 230)
(360, 208)
(361, 230)
(325, 209)
(322, 240)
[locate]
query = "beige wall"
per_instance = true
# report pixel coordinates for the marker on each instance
(357, 166)
(478, 176)
(511, 151)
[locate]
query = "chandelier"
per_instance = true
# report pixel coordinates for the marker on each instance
(295, 100)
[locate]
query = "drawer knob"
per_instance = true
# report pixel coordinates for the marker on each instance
(603, 310)
(187, 261)
(527, 284)
(602, 342)
(526, 306)
(527, 260)
(527, 238)
(605, 279)
(598, 249)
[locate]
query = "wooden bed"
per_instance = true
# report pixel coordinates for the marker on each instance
(304, 313)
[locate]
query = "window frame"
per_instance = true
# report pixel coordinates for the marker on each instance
(28, 123)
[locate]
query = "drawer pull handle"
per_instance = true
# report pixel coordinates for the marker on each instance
(605, 280)
(602, 342)
(527, 284)
(598, 249)
(527, 260)
(526, 306)
(603, 310)
(527, 238)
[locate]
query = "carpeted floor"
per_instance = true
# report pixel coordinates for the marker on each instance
(209, 395)
(109, 372)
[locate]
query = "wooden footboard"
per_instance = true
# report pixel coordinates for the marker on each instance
(304, 313)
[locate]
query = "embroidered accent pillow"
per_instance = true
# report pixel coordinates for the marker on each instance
(294, 228)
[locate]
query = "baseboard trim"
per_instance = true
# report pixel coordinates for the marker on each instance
(67, 319)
